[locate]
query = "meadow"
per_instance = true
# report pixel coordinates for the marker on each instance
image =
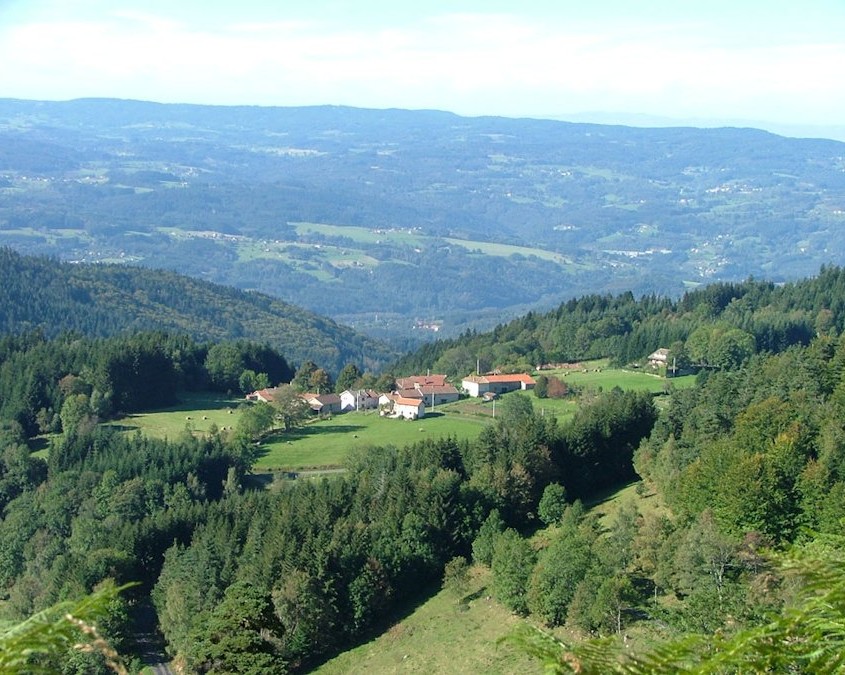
(197, 413)
(326, 443)
(596, 374)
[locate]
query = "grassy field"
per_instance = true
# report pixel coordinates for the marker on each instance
(507, 250)
(561, 408)
(319, 444)
(196, 412)
(362, 235)
(327, 442)
(445, 634)
(596, 374)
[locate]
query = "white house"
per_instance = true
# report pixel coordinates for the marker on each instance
(478, 385)
(409, 408)
(659, 357)
(358, 399)
(394, 405)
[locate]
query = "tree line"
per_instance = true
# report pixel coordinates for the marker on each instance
(719, 326)
(51, 385)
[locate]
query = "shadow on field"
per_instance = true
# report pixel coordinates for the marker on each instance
(306, 432)
(122, 427)
(381, 625)
(201, 401)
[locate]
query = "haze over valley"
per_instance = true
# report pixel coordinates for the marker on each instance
(412, 224)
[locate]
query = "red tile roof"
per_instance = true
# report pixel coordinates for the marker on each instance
(401, 400)
(489, 379)
(413, 380)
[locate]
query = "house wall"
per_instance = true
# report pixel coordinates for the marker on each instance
(472, 388)
(408, 411)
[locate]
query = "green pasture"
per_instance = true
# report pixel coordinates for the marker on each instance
(326, 443)
(195, 412)
(598, 375)
(474, 407)
(363, 235)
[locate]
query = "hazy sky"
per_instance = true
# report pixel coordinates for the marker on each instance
(776, 60)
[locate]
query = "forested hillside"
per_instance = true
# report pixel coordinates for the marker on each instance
(101, 300)
(747, 462)
(718, 326)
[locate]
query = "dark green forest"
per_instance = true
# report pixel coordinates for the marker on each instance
(44, 294)
(719, 326)
(748, 462)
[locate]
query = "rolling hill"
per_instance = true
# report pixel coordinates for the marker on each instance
(98, 300)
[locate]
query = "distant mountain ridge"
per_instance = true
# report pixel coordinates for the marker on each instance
(39, 293)
(390, 219)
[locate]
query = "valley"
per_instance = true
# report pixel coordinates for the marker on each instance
(387, 220)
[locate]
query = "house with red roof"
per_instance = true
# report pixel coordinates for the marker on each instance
(323, 404)
(263, 395)
(478, 385)
(394, 405)
(414, 381)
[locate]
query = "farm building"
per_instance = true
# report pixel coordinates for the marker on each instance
(478, 385)
(358, 399)
(415, 381)
(659, 357)
(432, 388)
(263, 395)
(393, 405)
(434, 394)
(323, 403)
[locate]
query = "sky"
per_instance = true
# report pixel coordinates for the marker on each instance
(774, 61)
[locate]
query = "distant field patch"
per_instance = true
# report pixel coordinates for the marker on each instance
(326, 443)
(363, 235)
(506, 250)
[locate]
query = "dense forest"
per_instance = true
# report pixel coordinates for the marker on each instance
(747, 462)
(717, 326)
(101, 300)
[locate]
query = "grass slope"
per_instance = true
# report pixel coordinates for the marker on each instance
(448, 634)
(195, 413)
(445, 634)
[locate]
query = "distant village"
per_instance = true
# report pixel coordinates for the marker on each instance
(411, 396)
